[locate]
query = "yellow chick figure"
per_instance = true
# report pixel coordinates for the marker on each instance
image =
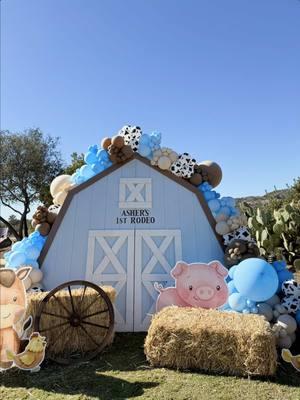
(32, 356)
(289, 358)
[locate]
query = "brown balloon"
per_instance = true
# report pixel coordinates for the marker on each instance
(213, 171)
(117, 141)
(51, 216)
(105, 143)
(43, 228)
(196, 179)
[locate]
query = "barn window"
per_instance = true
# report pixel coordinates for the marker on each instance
(135, 193)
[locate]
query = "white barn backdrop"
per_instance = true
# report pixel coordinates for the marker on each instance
(94, 242)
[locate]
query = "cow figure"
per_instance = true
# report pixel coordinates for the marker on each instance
(13, 305)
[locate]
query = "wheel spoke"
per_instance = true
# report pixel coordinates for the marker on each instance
(50, 345)
(90, 305)
(95, 313)
(71, 297)
(53, 327)
(62, 304)
(54, 315)
(82, 297)
(92, 324)
(91, 338)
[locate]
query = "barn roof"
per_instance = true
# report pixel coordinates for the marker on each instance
(108, 171)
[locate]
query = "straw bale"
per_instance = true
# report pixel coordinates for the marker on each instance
(71, 339)
(211, 340)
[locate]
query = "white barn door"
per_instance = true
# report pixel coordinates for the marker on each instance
(131, 261)
(156, 252)
(110, 261)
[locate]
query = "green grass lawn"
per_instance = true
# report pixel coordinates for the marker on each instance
(122, 372)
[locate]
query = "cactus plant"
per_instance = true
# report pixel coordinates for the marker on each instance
(277, 232)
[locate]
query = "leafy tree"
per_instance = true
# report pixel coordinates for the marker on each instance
(76, 162)
(29, 161)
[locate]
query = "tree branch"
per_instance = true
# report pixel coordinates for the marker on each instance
(11, 228)
(9, 206)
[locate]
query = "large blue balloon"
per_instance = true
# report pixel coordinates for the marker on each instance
(256, 279)
(144, 150)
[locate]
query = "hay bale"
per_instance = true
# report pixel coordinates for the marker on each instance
(211, 340)
(73, 339)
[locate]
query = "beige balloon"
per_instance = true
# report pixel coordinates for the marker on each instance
(27, 283)
(60, 183)
(164, 162)
(36, 275)
(222, 228)
(60, 197)
(213, 170)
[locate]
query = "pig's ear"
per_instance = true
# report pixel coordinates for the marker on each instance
(179, 268)
(22, 273)
(221, 270)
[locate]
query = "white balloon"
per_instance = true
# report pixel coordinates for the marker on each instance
(60, 183)
(36, 275)
(222, 228)
(289, 322)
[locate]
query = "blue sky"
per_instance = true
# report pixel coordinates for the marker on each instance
(219, 78)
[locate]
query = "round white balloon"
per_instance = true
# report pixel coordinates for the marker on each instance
(60, 183)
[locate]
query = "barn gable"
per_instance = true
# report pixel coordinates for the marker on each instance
(127, 227)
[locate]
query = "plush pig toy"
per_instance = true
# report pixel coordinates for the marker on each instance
(196, 285)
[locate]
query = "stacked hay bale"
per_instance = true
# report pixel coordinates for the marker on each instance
(210, 340)
(74, 339)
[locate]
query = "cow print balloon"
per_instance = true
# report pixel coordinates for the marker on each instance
(131, 135)
(291, 300)
(183, 166)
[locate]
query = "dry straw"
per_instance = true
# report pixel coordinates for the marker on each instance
(70, 339)
(210, 340)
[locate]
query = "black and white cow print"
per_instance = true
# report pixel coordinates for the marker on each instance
(184, 166)
(241, 233)
(131, 135)
(291, 300)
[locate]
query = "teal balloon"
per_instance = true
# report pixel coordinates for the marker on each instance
(237, 302)
(256, 279)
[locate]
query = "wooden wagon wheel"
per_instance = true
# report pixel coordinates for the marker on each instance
(75, 316)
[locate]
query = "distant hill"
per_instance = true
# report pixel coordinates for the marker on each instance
(257, 201)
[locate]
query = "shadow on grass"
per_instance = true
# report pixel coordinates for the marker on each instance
(97, 378)
(112, 375)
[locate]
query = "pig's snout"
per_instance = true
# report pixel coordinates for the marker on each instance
(205, 293)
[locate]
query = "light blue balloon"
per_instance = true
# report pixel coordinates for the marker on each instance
(90, 158)
(16, 259)
(144, 139)
(214, 205)
(237, 302)
(246, 311)
(32, 252)
(231, 272)
(86, 172)
(144, 150)
(209, 195)
(32, 263)
(231, 287)
(97, 167)
(17, 246)
(256, 279)
(225, 210)
(102, 155)
(251, 303)
(254, 310)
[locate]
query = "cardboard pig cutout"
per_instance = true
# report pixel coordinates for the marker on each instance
(196, 285)
(13, 304)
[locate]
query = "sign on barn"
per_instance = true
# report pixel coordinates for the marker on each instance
(127, 227)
